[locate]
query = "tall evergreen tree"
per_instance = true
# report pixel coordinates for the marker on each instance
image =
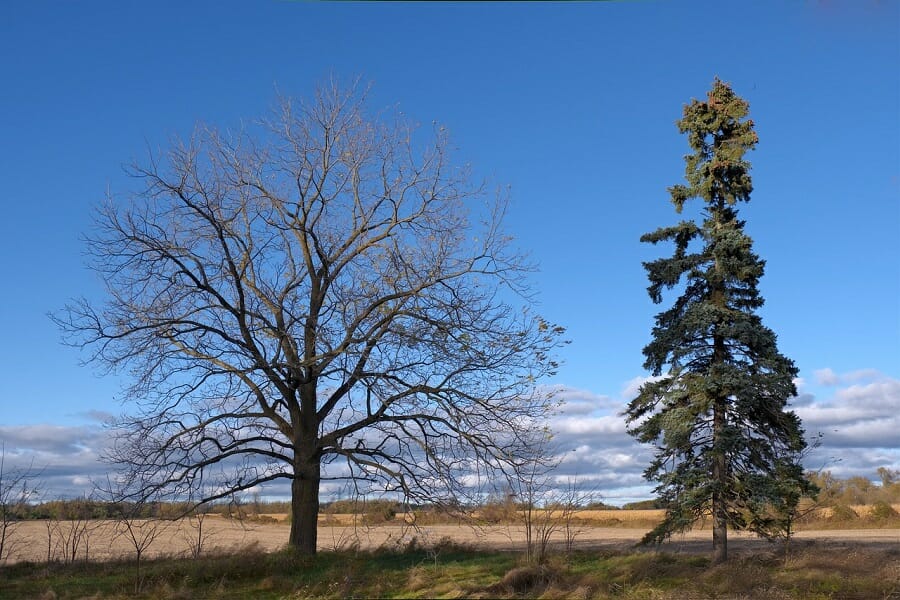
(726, 444)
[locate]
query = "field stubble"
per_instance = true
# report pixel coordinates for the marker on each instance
(592, 529)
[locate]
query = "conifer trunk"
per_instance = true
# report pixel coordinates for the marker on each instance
(719, 516)
(720, 406)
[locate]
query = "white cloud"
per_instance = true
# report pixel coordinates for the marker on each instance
(882, 395)
(859, 422)
(856, 405)
(801, 399)
(874, 433)
(62, 461)
(826, 377)
(633, 386)
(862, 375)
(591, 426)
(595, 449)
(53, 444)
(580, 402)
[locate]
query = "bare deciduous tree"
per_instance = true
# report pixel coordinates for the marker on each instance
(543, 506)
(70, 529)
(323, 297)
(140, 530)
(196, 535)
(16, 490)
(137, 514)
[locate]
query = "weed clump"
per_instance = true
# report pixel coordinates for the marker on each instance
(527, 580)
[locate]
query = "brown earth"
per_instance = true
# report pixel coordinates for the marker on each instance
(101, 541)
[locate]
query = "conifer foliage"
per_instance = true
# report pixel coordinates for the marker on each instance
(717, 413)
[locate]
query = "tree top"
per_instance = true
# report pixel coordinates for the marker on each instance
(719, 134)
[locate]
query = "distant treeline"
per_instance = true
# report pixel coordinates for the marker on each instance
(857, 490)
(834, 492)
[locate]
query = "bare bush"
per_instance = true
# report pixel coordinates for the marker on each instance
(138, 518)
(70, 528)
(540, 504)
(16, 490)
(196, 535)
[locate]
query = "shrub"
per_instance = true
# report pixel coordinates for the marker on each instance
(842, 512)
(882, 511)
(640, 505)
(264, 519)
(379, 511)
(498, 511)
(370, 512)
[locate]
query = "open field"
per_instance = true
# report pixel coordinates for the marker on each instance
(395, 560)
(817, 518)
(36, 541)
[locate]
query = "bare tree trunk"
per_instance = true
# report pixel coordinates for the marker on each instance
(305, 507)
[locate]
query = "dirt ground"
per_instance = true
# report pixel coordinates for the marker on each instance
(36, 540)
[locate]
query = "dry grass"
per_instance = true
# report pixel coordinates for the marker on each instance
(813, 569)
(102, 542)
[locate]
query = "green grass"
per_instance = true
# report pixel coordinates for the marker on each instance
(454, 572)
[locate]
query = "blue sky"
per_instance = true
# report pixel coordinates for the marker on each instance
(572, 105)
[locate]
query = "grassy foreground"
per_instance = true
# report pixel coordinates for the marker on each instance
(813, 571)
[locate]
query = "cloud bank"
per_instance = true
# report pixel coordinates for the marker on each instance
(858, 419)
(858, 422)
